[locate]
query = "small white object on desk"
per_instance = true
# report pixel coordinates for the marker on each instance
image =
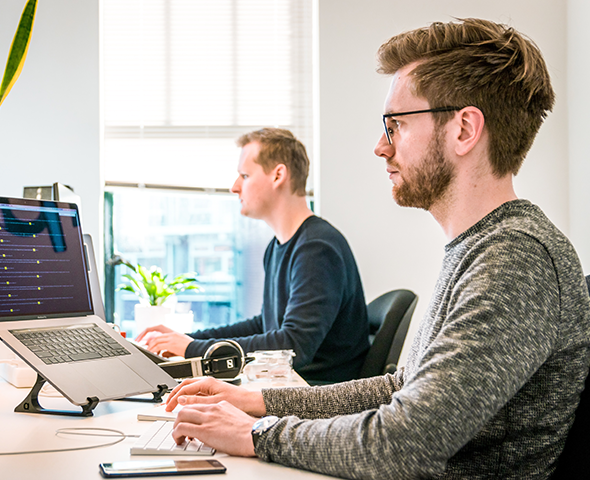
(14, 370)
(18, 373)
(270, 364)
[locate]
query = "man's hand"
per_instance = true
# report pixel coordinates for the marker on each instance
(208, 391)
(157, 328)
(163, 340)
(221, 426)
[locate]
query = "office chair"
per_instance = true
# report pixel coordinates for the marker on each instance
(574, 461)
(389, 319)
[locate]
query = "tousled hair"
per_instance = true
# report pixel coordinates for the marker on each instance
(479, 63)
(280, 146)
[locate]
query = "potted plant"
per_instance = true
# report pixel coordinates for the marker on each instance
(18, 49)
(157, 295)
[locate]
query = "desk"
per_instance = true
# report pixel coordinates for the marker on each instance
(24, 431)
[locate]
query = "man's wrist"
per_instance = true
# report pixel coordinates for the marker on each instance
(261, 426)
(255, 405)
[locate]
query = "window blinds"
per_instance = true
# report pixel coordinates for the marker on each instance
(182, 79)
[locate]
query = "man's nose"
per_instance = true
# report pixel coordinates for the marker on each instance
(235, 187)
(384, 148)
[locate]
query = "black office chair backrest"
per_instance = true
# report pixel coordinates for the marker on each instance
(389, 320)
(574, 461)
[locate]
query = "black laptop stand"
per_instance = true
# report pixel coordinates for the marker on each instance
(31, 403)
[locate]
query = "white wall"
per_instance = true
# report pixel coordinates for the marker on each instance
(49, 123)
(397, 247)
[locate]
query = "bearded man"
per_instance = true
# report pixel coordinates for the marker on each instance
(496, 368)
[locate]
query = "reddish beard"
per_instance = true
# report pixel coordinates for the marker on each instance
(423, 185)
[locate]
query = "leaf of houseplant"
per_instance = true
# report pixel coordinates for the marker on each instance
(152, 287)
(18, 49)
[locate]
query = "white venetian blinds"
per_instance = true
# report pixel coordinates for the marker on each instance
(184, 78)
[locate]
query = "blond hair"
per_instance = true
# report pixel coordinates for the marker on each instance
(278, 146)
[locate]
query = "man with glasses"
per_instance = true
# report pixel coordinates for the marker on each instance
(496, 368)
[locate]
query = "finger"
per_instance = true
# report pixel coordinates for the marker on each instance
(196, 400)
(159, 343)
(171, 404)
(185, 430)
(192, 415)
(164, 342)
(187, 387)
(157, 328)
(153, 348)
(141, 336)
(187, 391)
(184, 383)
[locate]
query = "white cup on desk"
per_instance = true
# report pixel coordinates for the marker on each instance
(270, 364)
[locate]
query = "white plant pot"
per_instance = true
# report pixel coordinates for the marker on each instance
(150, 316)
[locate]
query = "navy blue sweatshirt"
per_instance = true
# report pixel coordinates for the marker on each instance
(313, 304)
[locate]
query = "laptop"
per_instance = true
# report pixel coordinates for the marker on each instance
(45, 293)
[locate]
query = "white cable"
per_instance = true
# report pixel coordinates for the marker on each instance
(74, 431)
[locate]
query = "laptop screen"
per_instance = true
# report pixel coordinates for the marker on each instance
(42, 264)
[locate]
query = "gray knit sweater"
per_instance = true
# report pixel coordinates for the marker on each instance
(492, 380)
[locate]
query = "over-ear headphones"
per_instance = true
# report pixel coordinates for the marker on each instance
(223, 359)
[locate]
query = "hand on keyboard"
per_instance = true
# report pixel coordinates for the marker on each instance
(157, 440)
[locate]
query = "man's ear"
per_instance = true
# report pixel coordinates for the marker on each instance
(469, 125)
(280, 175)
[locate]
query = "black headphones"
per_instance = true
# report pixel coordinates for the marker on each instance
(223, 359)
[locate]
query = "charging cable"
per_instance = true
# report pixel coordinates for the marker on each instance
(84, 431)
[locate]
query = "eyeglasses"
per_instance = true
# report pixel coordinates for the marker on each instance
(393, 127)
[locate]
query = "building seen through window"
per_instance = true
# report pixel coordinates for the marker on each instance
(192, 232)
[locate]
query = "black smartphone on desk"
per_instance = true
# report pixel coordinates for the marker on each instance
(153, 468)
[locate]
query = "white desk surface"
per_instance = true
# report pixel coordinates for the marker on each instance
(25, 432)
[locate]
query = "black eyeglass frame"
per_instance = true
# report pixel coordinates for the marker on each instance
(401, 114)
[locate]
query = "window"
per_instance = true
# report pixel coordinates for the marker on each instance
(182, 79)
(191, 232)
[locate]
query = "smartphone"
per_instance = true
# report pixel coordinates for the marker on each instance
(152, 468)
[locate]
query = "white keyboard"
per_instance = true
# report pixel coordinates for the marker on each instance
(157, 440)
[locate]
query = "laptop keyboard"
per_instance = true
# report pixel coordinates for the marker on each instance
(70, 344)
(157, 440)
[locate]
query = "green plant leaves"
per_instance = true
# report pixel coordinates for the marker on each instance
(18, 49)
(152, 287)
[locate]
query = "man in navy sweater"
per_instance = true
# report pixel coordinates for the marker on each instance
(313, 297)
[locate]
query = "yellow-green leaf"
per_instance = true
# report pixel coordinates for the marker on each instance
(18, 49)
